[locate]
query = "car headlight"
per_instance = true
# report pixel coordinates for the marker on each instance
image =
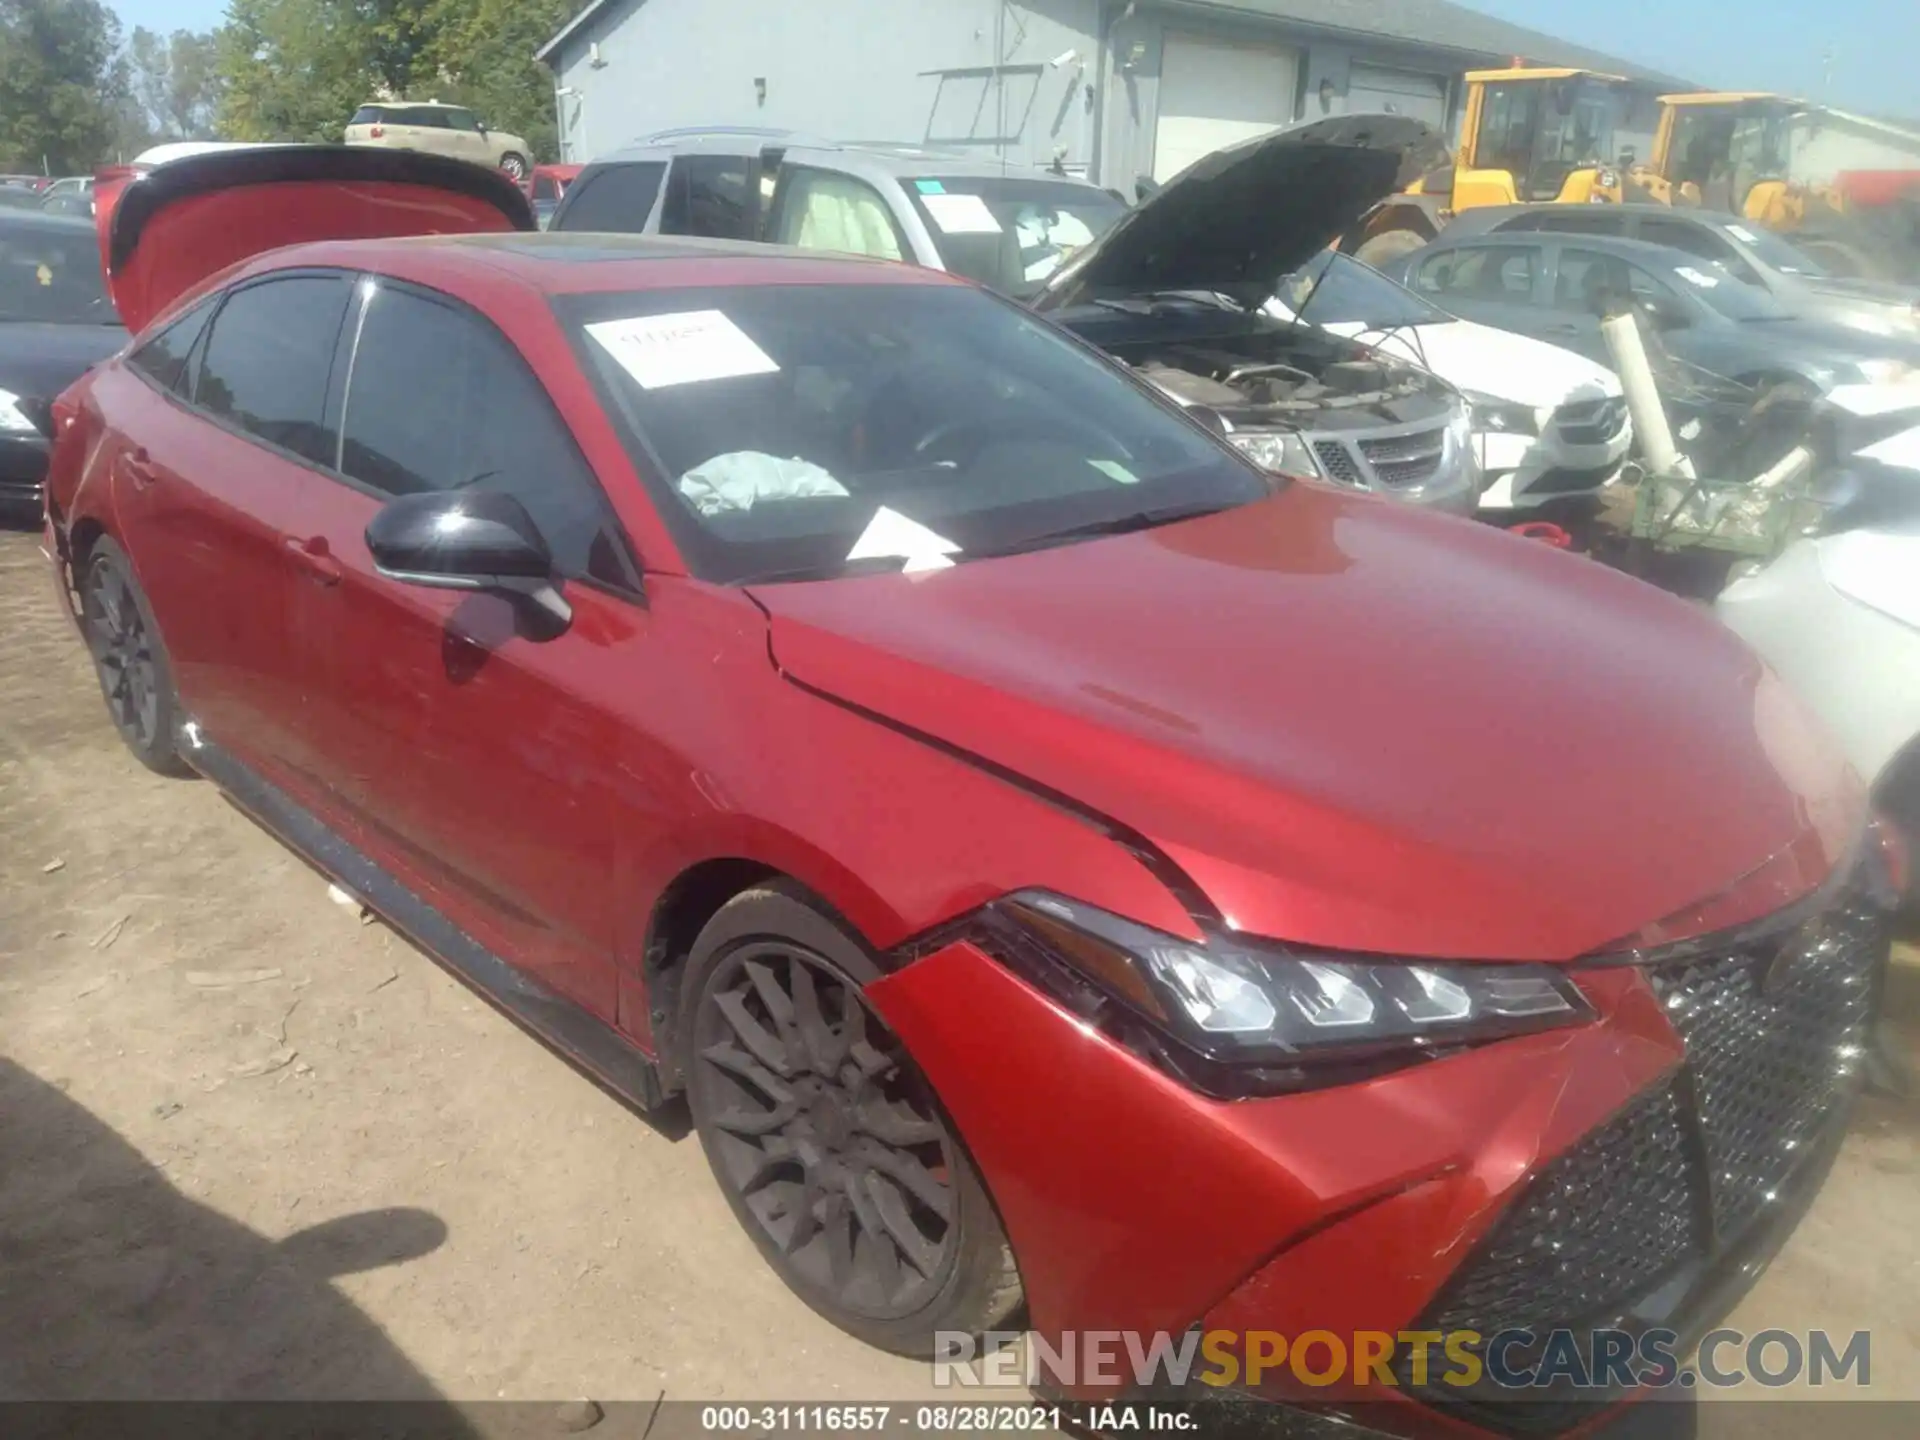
(1883, 371)
(11, 418)
(1280, 451)
(1504, 416)
(1243, 1017)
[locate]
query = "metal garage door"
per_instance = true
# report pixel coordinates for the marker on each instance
(1398, 92)
(1212, 94)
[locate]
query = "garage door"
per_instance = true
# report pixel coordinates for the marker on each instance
(1213, 94)
(1398, 92)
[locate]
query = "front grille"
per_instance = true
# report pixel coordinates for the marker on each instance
(1337, 461)
(1592, 422)
(1403, 460)
(1771, 1058)
(1774, 1028)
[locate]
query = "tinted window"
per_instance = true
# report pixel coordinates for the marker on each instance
(544, 188)
(165, 357)
(1011, 233)
(50, 271)
(615, 197)
(709, 195)
(1504, 274)
(461, 120)
(267, 360)
(825, 210)
(1336, 289)
(440, 400)
(777, 422)
(1586, 278)
(430, 119)
(367, 115)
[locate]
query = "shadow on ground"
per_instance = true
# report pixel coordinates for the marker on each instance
(116, 1287)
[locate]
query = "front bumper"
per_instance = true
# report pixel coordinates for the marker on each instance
(1635, 1172)
(23, 473)
(1526, 471)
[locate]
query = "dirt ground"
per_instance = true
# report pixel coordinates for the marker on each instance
(250, 1146)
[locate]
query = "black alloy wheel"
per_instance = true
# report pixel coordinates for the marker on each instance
(823, 1133)
(130, 660)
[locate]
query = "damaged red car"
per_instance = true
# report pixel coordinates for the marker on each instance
(1069, 873)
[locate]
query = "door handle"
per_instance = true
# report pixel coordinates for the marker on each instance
(315, 557)
(138, 467)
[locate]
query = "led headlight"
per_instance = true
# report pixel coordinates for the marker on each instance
(10, 417)
(1506, 417)
(1235, 1016)
(1280, 451)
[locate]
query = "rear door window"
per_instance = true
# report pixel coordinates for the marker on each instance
(268, 359)
(712, 195)
(166, 358)
(441, 400)
(617, 198)
(825, 210)
(1505, 274)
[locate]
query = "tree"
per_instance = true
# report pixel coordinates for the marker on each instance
(175, 82)
(62, 84)
(481, 53)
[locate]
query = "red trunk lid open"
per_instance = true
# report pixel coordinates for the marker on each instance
(164, 230)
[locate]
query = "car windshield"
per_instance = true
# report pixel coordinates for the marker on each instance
(1724, 293)
(1783, 255)
(810, 431)
(1336, 289)
(52, 275)
(1011, 233)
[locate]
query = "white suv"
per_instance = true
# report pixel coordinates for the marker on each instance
(440, 129)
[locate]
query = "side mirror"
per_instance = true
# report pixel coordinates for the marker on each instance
(468, 540)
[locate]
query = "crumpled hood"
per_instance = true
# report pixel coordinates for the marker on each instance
(1242, 217)
(1359, 726)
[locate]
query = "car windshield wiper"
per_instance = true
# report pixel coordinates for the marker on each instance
(1111, 525)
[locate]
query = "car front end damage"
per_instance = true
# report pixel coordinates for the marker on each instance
(1624, 1150)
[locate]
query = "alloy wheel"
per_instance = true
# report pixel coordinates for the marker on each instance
(123, 651)
(825, 1133)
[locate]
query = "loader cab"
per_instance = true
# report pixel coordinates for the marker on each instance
(1727, 152)
(1533, 135)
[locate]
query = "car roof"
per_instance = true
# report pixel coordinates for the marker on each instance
(899, 159)
(583, 262)
(411, 105)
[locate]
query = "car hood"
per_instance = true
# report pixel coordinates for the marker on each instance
(41, 360)
(1240, 218)
(164, 230)
(1497, 363)
(1359, 726)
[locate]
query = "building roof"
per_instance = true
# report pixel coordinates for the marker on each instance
(1445, 26)
(1432, 23)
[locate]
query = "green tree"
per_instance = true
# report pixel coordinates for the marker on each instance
(175, 82)
(480, 53)
(63, 84)
(298, 69)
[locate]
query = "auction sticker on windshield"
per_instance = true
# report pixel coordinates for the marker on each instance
(681, 349)
(961, 214)
(1704, 281)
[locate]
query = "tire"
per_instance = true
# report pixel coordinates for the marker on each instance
(767, 1087)
(515, 164)
(130, 660)
(1389, 245)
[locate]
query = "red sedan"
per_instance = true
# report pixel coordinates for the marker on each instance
(1055, 860)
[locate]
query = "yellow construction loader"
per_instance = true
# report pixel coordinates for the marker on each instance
(1529, 134)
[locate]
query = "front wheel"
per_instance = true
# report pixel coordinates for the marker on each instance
(515, 165)
(826, 1137)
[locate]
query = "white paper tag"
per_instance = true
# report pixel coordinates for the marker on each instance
(1704, 281)
(961, 214)
(1740, 232)
(680, 349)
(891, 533)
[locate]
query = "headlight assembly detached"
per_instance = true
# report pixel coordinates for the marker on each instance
(1280, 451)
(1239, 1017)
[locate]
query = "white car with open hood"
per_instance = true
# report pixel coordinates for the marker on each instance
(1548, 424)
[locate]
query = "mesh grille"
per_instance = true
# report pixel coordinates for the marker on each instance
(1596, 1227)
(1771, 1057)
(1337, 461)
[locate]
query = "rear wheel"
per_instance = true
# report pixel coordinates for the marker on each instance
(135, 677)
(1389, 245)
(515, 165)
(826, 1137)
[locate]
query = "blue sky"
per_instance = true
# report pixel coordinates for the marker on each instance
(1731, 44)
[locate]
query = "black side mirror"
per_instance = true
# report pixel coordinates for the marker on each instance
(468, 540)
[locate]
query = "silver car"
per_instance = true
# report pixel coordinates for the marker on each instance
(1760, 258)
